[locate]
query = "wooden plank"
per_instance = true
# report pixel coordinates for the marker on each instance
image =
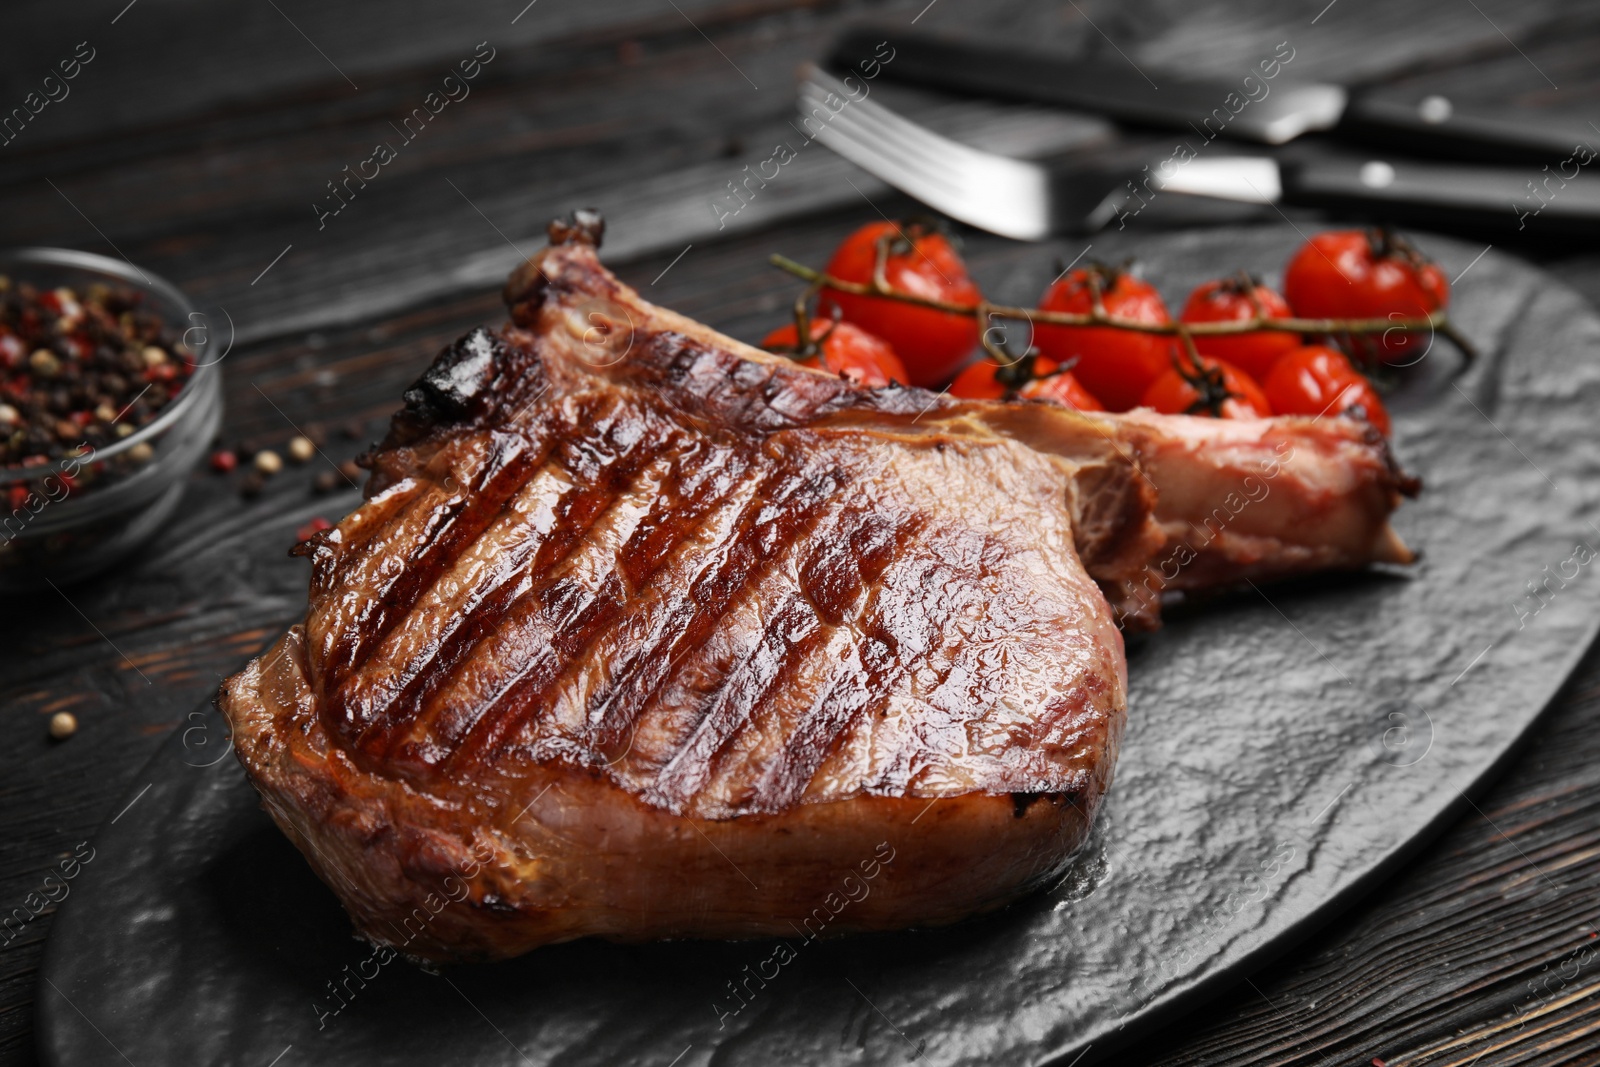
(173, 60)
(454, 213)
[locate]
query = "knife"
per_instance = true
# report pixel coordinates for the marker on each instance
(1264, 104)
(1030, 200)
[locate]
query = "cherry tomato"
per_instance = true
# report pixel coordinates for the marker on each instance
(1064, 389)
(1316, 380)
(981, 381)
(1113, 364)
(844, 349)
(1366, 274)
(988, 380)
(922, 262)
(1237, 299)
(1221, 390)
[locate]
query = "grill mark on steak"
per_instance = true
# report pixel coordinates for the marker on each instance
(602, 477)
(791, 498)
(791, 634)
(832, 579)
(896, 639)
(847, 557)
(678, 508)
(561, 619)
(452, 389)
(374, 731)
(456, 627)
(640, 671)
(449, 528)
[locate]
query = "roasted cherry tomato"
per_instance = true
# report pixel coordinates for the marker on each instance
(921, 261)
(1113, 364)
(982, 381)
(1366, 274)
(1239, 299)
(1064, 389)
(841, 348)
(1316, 380)
(988, 380)
(1218, 389)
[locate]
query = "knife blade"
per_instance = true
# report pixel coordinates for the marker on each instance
(1264, 104)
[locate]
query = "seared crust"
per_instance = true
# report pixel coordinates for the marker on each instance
(457, 874)
(643, 633)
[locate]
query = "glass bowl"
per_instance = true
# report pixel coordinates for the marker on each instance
(59, 537)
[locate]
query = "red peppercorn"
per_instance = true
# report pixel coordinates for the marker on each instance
(310, 529)
(71, 365)
(223, 461)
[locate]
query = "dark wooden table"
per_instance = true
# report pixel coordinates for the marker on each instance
(200, 135)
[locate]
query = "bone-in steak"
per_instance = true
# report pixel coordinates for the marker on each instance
(643, 633)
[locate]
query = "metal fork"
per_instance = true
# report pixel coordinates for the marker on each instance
(1011, 197)
(1005, 196)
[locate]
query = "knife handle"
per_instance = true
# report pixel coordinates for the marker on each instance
(1009, 74)
(1526, 201)
(1433, 126)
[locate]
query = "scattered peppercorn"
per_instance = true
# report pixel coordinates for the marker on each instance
(268, 462)
(301, 449)
(141, 452)
(252, 484)
(355, 429)
(327, 481)
(224, 461)
(352, 470)
(63, 724)
(312, 528)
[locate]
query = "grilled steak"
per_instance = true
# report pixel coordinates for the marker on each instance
(643, 633)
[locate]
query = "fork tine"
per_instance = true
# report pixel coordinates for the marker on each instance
(868, 112)
(929, 149)
(1006, 196)
(957, 169)
(905, 152)
(922, 155)
(910, 157)
(937, 187)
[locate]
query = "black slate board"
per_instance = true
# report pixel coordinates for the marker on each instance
(1282, 755)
